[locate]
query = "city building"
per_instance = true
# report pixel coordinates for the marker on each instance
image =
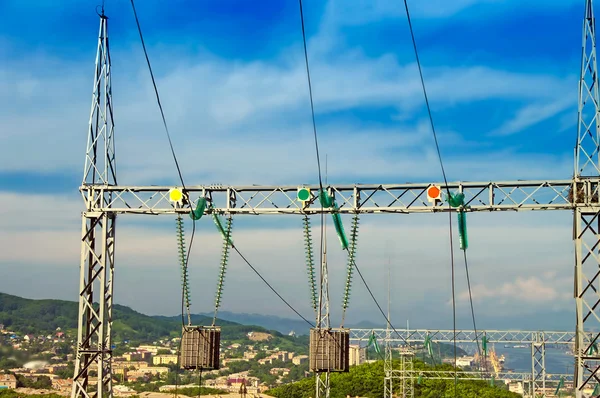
(8, 381)
(164, 359)
(358, 355)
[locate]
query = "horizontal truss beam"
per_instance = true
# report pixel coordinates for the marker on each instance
(468, 336)
(464, 375)
(382, 198)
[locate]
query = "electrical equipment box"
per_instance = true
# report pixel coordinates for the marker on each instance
(201, 347)
(329, 350)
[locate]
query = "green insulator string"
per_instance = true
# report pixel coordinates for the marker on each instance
(462, 230)
(224, 259)
(222, 230)
(350, 266)
(458, 200)
(183, 262)
(198, 212)
(310, 263)
(327, 201)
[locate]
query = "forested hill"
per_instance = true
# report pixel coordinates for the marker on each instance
(367, 381)
(28, 316)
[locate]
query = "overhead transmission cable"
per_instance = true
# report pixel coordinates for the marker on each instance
(164, 120)
(187, 255)
(314, 125)
(162, 113)
(319, 168)
(181, 175)
(414, 42)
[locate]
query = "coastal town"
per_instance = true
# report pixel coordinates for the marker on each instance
(46, 362)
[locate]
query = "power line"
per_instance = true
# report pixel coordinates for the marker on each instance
(271, 287)
(181, 176)
(157, 95)
(414, 42)
(314, 125)
(312, 106)
(376, 302)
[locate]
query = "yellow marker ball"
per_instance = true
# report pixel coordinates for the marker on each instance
(175, 195)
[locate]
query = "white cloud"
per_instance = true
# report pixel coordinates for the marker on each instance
(545, 291)
(242, 121)
(532, 114)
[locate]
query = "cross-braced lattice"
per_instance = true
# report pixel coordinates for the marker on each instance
(588, 127)
(538, 366)
(98, 238)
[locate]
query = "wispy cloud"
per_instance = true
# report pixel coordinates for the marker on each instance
(543, 291)
(532, 114)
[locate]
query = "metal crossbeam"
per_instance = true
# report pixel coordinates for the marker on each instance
(386, 198)
(551, 378)
(468, 336)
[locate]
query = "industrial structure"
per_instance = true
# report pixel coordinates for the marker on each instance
(104, 199)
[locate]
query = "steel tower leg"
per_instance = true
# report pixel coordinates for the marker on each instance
(388, 383)
(538, 366)
(98, 238)
(388, 386)
(323, 322)
(585, 228)
(409, 381)
(407, 374)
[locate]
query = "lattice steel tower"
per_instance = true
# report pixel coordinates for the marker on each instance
(323, 319)
(98, 236)
(586, 222)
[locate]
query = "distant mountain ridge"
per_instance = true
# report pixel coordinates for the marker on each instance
(43, 316)
(30, 316)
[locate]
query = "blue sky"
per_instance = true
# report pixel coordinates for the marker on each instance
(502, 79)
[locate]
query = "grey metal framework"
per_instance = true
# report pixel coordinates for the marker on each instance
(98, 237)
(323, 321)
(449, 375)
(586, 227)
(537, 340)
(550, 380)
(104, 199)
(468, 336)
(407, 377)
(360, 198)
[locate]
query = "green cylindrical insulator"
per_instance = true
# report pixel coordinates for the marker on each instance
(457, 199)
(462, 230)
(339, 228)
(198, 212)
(325, 199)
